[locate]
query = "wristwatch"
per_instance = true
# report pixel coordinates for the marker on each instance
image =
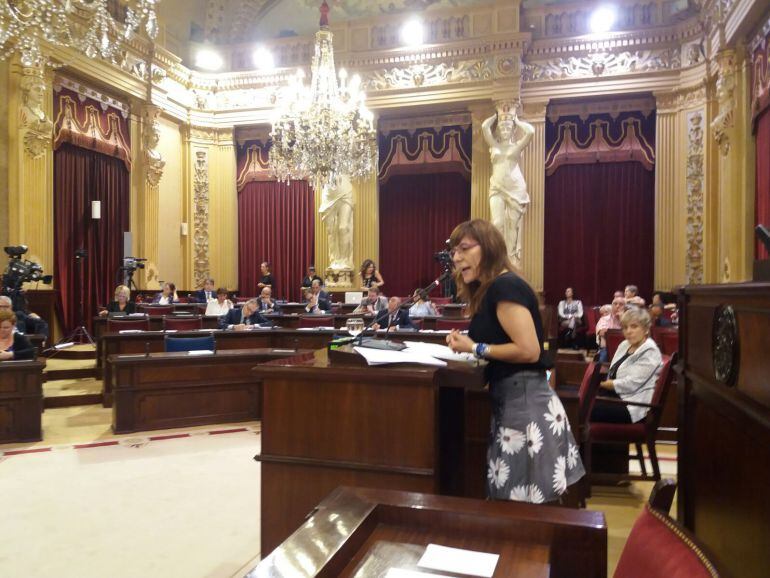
(481, 350)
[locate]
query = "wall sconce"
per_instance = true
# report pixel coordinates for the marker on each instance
(96, 210)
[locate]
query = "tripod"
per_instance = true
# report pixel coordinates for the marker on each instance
(80, 334)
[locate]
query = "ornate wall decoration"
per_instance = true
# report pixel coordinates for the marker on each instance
(725, 89)
(724, 344)
(37, 128)
(418, 75)
(153, 160)
(201, 218)
(695, 178)
(602, 64)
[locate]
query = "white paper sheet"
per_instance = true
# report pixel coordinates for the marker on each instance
(382, 356)
(458, 561)
(438, 351)
(130, 331)
(201, 352)
(315, 328)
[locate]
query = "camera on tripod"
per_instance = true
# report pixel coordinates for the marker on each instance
(18, 272)
(127, 270)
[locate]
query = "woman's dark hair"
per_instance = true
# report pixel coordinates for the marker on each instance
(222, 291)
(366, 265)
(172, 287)
(494, 260)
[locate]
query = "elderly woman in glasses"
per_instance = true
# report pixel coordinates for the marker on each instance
(532, 455)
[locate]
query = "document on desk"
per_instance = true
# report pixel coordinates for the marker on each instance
(201, 352)
(438, 351)
(122, 331)
(383, 356)
(458, 561)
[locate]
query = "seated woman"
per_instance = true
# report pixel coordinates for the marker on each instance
(570, 313)
(422, 305)
(121, 303)
(221, 305)
(633, 372)
(167, 296)
(13, 345)
(370, 276)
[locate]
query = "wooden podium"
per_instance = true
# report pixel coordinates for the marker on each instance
(724, 417)
(363, 532)
(328, 424)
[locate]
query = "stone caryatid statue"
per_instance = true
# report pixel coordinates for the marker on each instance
(37, 127)
(508, 198)
(336, 212)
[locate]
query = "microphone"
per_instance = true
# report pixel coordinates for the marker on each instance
(763, 235)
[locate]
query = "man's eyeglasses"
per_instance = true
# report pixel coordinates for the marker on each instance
(461, 249)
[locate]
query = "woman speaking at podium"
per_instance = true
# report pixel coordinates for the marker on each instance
(531, 454)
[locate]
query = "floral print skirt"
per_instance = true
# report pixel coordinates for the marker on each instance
(531, 455)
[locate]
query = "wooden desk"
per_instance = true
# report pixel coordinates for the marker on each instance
(365, 532)
(167, 390)
(21, 401)
(724, 422)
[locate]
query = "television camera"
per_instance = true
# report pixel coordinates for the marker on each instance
(127, 270)
(18, 272)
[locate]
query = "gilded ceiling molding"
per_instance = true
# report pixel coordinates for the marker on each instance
(614, 107)
(419, 75)
(602, 64)
(671, 102)
(36, 127)
(434, 121)
(153, 161)
(725, 93)
(695, 185)
(201, 217)
(534, 111)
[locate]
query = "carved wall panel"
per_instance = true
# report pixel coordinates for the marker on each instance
(695, 185)
(201, 218)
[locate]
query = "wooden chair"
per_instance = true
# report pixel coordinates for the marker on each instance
(644, 431)
(189, 323)
(118, 325)
(316, 321)
(590, 317)
(156, 309)
(206, 343)
(586, 397)
(460, 324)
(658, 547)
(667, 339)
(441, 300)
(613, 337)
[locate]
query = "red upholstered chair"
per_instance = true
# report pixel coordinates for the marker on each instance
(441, 300)
(586, 397)
(658, 547)
(156, 309)
(189, 323)
(667, 339)
(461, 324)
(117, 325)
(591, 316)
(418, 323)
(243, 299)
(316, 321)
(644, 431)
(613, 337)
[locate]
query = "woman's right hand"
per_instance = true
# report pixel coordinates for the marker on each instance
(103, 313)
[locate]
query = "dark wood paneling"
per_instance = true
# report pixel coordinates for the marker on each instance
(43, 302)
(21, 401)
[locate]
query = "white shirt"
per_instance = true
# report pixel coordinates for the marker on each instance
(215, 308)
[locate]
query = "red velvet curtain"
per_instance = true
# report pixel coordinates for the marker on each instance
(80, 177)
(599, 231)
(276, 223)
(417, 215)
(762, 210)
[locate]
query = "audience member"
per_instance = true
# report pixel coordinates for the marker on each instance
(315, 302)
(266, 302)
(422, 306)
(167, 296)
(618, 294)
(206, 294)
(570, 312)
(657, 316)
(609, 321)
(267, 276)
(307, 281)
(632, 297)
(393, 317)
(27, 323)
(120, 304)
(370, 276)
(219, 306)
(633, 372)
(373, 302)
(241, 319)
(13, 345)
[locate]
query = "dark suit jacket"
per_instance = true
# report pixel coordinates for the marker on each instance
(200, 296)
(112, 307)
(308, 281)
(276, 308)
(323, 303)
(159, 296)
(402, 319)
(29, 325)
(22, 347)
(233, 317)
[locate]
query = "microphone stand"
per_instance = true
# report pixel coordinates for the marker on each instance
(374, 342)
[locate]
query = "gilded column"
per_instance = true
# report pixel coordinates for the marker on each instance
(223, 211)
(321, 240)
(195, 207)
(481, 164)
(366, 224)
(4, 78)
(533, 169)
(30, 167)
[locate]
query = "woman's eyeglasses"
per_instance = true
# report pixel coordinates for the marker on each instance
(462, 248)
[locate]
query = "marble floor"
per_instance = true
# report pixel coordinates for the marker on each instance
(87, 503)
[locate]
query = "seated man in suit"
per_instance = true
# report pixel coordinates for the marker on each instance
(266, 302)
(372, 303)
(393, 317)
(314, 303)
(308, 279)
(27, 323)
(317, 287)
(243, 318)
(208, 293)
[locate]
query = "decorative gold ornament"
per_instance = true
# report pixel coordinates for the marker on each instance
(37, 128)
(201, 218)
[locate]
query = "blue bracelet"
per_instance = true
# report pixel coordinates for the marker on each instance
(481, 350)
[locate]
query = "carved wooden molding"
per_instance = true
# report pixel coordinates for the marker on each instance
(201, 218)
(725, 93)
(695, 184)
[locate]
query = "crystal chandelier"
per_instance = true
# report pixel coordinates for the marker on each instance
(84, 25)
(325, 131)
